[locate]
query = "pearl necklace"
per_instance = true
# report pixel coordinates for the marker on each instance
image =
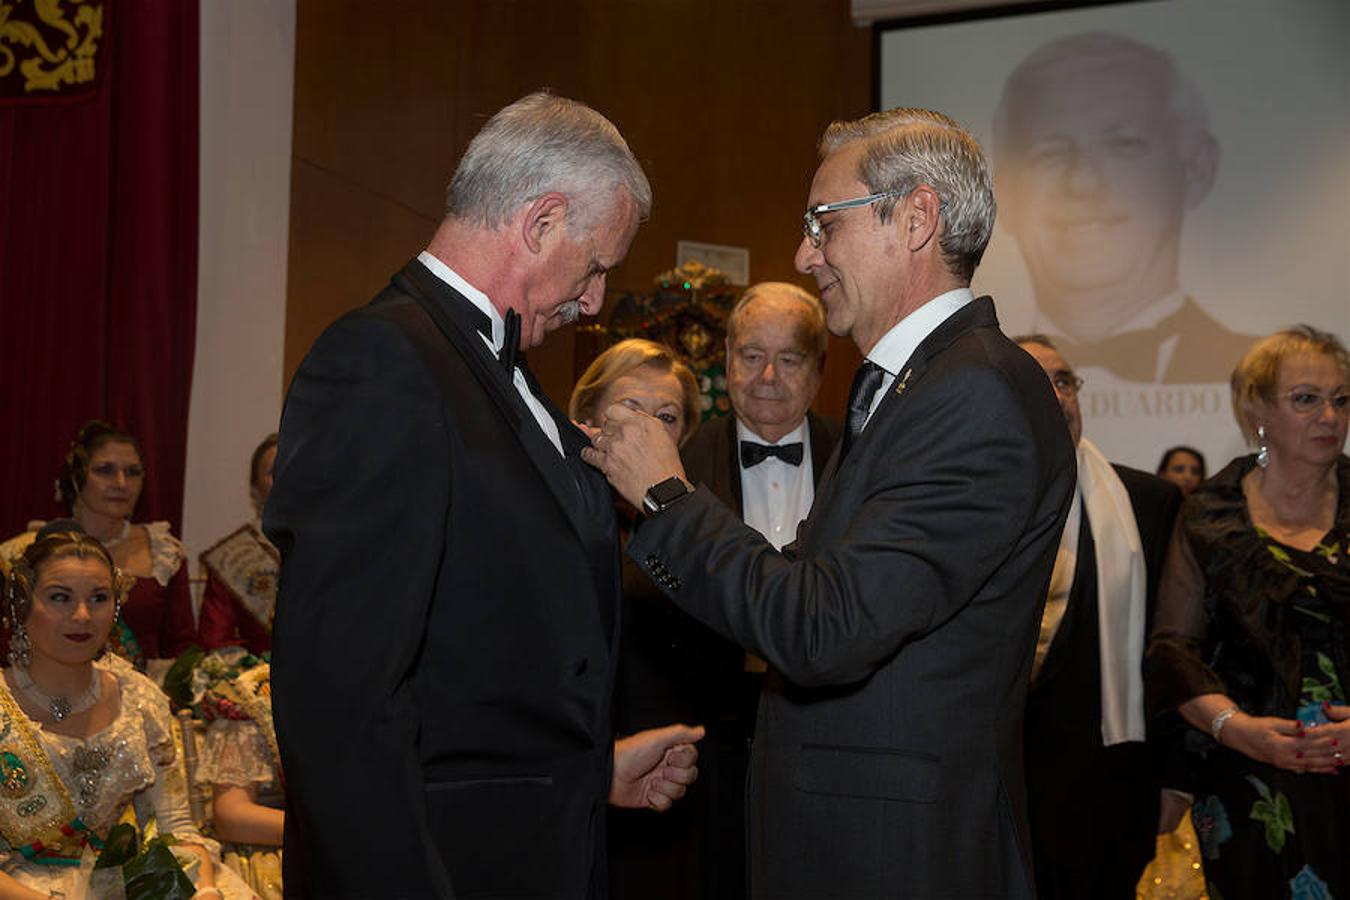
(59, 707)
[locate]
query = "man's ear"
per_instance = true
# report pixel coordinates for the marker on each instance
(1200, 159)
(545, 217)
(918, 217)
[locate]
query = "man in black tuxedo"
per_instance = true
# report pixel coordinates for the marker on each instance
(1085, 727)
(763, 462)
(446, 621)
(899, 628)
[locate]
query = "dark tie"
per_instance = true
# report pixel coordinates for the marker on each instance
(865, 385)
(752, 453)
(509, 356)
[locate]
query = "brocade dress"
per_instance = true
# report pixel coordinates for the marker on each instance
(1241, 614)
(61, 795)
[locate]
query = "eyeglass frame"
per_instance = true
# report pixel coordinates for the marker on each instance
(811, 229)
(1073, 383)
(1314, 411)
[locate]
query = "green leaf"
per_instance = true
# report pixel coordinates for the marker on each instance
(178, 680)
(1274, 813)
(156, 875)
(119, 847)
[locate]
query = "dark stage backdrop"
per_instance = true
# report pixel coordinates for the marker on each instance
(98, 261)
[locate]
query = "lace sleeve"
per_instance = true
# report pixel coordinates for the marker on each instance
(235, 752)
(167, 553)
(167, 795)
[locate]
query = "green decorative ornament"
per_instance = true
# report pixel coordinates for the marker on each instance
(14, 773)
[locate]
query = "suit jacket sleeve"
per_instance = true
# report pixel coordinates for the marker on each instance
(945, 494)
(358, 513)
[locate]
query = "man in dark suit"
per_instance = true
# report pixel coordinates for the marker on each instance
(445, 627)
(1085, 726)
(763, 462)
(899, 628)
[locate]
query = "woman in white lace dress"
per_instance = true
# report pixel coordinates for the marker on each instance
(240, 764)
(85, 743)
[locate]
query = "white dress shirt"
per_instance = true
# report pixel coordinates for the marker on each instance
(898, 345)
(494, 344)
(775, 496)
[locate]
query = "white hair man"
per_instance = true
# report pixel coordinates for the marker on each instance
(445, 629)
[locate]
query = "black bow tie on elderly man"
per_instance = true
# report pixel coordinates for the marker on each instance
(752, 454)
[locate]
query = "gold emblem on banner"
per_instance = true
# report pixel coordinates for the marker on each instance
(48, 47)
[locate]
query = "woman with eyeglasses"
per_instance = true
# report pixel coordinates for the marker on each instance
(100, 484)
(1250, 643)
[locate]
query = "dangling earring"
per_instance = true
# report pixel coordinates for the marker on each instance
(120, 587)
(1262, 451)
(20, 647)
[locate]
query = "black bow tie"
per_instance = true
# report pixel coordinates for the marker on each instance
(507, 356)
(752, 454)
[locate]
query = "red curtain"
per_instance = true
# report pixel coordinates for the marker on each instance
(98, 263)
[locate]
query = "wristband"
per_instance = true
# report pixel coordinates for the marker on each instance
(1220, 719)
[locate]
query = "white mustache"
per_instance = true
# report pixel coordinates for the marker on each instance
(569, 312)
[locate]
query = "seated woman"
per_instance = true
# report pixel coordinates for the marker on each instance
(241, 573)
(100, 484)
(239, 761)
(82, 739)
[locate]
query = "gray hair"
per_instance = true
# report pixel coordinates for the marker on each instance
(1036, 338)
(907, 148)
(544, 143)
(815, 311)
(1186, 104)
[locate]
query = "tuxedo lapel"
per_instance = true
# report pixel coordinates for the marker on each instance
(729, 463)
(822, 448)
(978, 313)
(1080, 611)
(451, 313)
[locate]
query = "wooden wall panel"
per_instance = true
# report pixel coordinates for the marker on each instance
(722, 100)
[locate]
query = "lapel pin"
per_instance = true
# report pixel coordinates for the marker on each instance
(904, 381)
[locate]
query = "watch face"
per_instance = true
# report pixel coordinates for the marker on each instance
(666, 491)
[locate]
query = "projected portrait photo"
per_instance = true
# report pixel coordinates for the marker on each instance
(1101, 147)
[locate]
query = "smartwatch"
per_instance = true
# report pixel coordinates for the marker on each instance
(661, 497)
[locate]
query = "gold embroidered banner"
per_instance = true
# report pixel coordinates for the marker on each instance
(50, 49)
